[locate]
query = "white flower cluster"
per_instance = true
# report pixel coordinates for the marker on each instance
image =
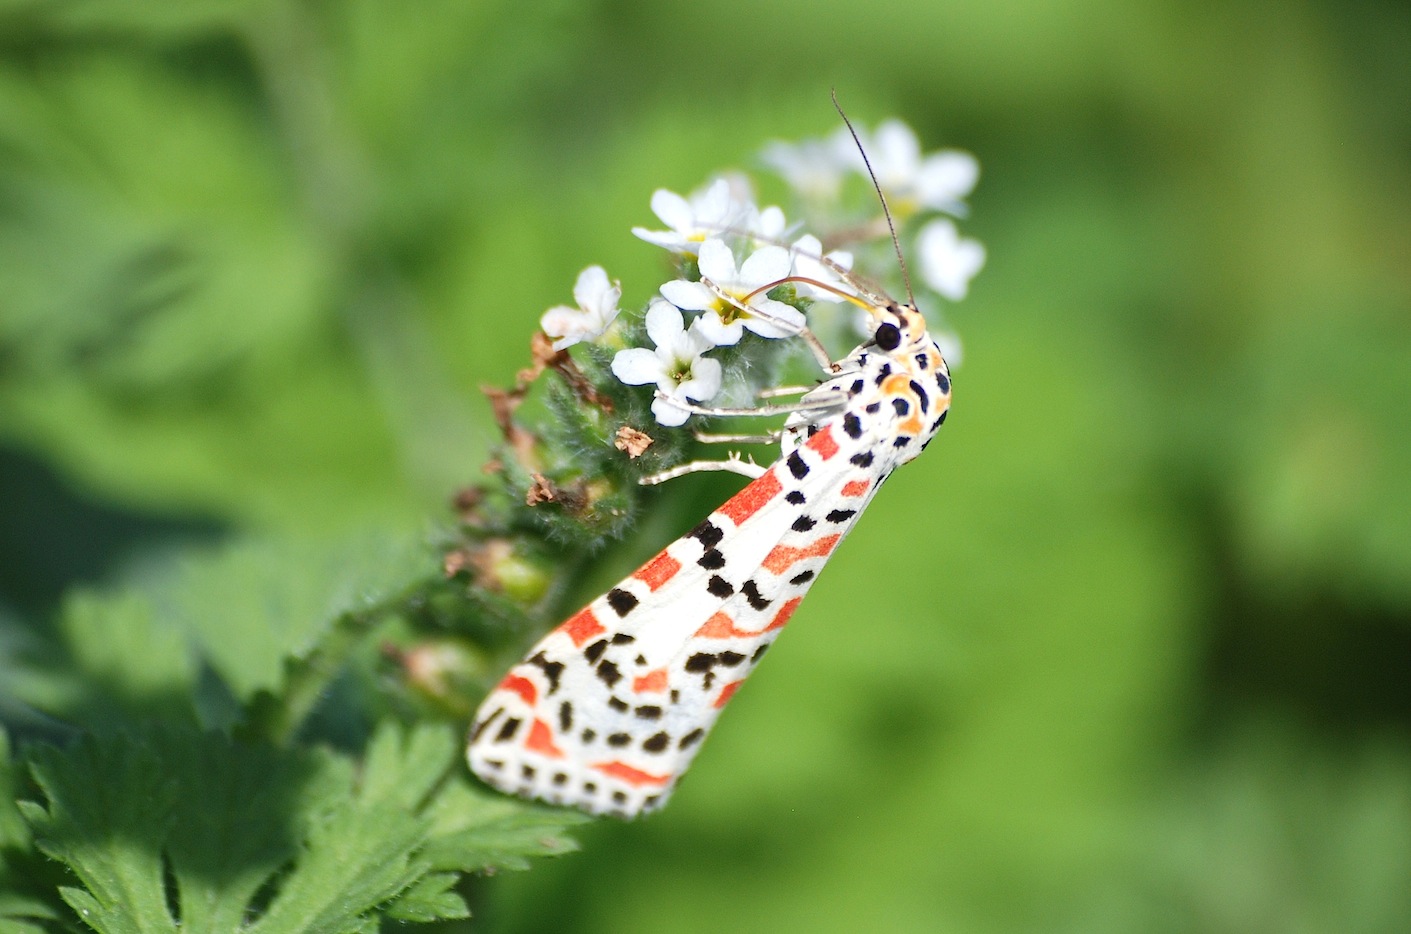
(738, 254)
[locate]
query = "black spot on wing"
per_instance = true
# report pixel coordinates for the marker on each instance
(480, 727)
(507, 729)
(618, 704)
(943, 381)
(841, 515)
(852, 426)
(595, 651)
(565, 717)
(690, 739)
(803, 524)
(656, 742)
(863, 459)
(608, 674)
(795, 497)
(621, 601)
(802, 578)
(757, 600)
(707, 533)
(712, 560)
(719, 587)
(552, 670)
(797, 467)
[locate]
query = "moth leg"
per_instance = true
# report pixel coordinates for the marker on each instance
(732, 464)
(771, 437)
(777, 391)
(819, 403)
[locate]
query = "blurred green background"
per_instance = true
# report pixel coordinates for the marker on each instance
(1127, 651)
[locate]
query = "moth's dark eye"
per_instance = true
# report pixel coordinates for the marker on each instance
(887, 337)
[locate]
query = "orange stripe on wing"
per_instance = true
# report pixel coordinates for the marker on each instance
(784, 557)
(581, 626)
(541, 740)
(823, 443)
(657, 571)
(653, 682)
(726, 693)
(782, 617)
(856, 487)
(751, 499)
(521, 686)
(626, 773)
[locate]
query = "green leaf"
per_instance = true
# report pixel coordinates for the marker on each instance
(430, 899)
(253, 604)
(110, 804)
(478, 830)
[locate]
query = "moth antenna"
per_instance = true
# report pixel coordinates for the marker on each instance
(886, 211)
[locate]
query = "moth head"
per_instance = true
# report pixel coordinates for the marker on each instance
(897, 326)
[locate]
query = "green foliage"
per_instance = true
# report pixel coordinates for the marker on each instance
(1125, 650)
(226, 819)
(164, 823)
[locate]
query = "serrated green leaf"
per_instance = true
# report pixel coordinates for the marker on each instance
(109, 807)
(253, 604)
(235, 821)
(430, 899)
(355, 859)
(401, 767)
(477, 830)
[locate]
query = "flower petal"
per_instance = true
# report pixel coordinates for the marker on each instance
(765, 265)
(717, 262)
(705, 380)
(947, 262)
(674, 210)
(692, 296)
(774, 319)
(718, 332)
(946, 178)
(636, 366)
(668, 414)
(665, 325)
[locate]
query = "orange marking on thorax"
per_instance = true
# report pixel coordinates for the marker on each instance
(782, 617)
(784, 557)
(856, 487)
(898, 384)
(541, 740)
(726, 693)
(653, 682)
(521, 686)
(751, 499)
(581, 626)
(823, 443)
(657, 571)
(626, 773)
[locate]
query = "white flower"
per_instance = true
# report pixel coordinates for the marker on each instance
(811, 167)
(947, 261)
(808, 262)
(597, 300)
(939, 181)
(768, 224)
(676, 365)
(725, 321)
(720, 208)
